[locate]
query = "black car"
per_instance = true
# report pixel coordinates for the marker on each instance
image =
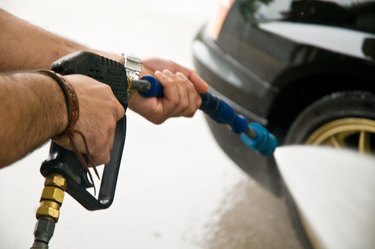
(303, 69)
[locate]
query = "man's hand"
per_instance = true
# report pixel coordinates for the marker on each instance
(181, 91)
(99, 112)
(151, 65)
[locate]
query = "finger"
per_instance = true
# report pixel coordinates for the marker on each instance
(171, 94)
(165, 80)
(183, 92)
(194, 100)
(198, 82)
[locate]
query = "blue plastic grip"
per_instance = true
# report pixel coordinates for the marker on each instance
(156, 89)
(264, 142)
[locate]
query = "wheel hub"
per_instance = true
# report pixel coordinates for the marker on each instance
(354, 133)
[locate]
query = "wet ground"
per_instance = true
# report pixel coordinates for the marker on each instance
(176, 188)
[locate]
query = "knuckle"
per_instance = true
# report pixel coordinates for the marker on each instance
(106, 156)
(106, 88)
(181, 76)
(190, 86)
(112, 103)
(190, 112)
(158, 121)
(107, 159)
(185, 104)
(102, 158)
(175, 101)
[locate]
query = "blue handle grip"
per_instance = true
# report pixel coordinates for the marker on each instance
(253, 135)
(156, 89)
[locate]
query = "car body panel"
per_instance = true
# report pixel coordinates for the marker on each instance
(350, 42)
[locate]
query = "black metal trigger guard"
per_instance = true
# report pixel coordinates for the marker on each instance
(65, 162)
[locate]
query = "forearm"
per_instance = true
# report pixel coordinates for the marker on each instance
(32, 110)
(26, 46)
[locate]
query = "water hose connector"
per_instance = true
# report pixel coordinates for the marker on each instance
(49, 210)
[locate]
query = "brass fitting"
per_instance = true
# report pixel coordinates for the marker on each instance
(52, 197)
(53, 193)
(56, 180)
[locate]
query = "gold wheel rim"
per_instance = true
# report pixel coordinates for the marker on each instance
(337, 133)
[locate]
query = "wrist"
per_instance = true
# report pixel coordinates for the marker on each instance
(71, 102)
(53, 106)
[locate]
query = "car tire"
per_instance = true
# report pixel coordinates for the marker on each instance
(343, 115)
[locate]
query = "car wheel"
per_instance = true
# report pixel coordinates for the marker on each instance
(341, 120)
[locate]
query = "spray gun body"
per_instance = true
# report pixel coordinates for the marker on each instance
(65, 162)
(63, 170)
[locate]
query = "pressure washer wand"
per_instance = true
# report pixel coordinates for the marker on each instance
(252, 134)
